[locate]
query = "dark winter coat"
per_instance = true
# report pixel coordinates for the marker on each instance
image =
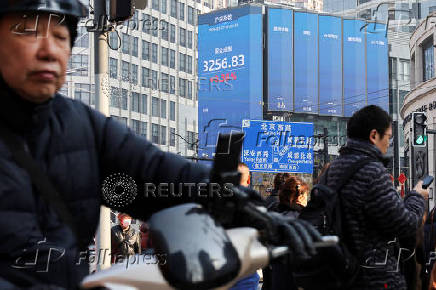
(124, 243)
(77, 147)
(272, 198)
(374, 216)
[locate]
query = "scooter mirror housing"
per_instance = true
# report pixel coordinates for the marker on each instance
(199, 253)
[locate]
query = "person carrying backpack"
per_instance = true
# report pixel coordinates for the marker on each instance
(369, 216)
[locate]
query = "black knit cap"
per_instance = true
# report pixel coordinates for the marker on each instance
(72, 9)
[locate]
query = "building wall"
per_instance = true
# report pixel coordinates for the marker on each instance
(423, 95)
(80, 83)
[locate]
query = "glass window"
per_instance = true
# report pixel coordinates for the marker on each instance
(125, 43)
(113, 68)
(134, 78)
(189, 93)
(135, 47)
(164, 56)
(145, 50)
(182, 11)
(190, 15)
(82, 92)
(155, 4)
(173, 8)
(154, 80)
(172, 84)
(428, 59)
(135, 21)
(164, 29)
(135, 102)
(155, 133)
(182, 61)
(172, 58)
(125, 71)
(136, 126)
(172, 111)
(163, 109)
(82, 39)
(393, 68)
(172, 137)
(144, 129)
(182, 37)
(143, 105)
(164, 82)
(182, 87)
(404, 69)
(163, 7)
(78, 65)
(145, 77)
(163, 135)
(113, 40)
(124, 100)
(115, 97)
(189, 39)
(172, 33)
(154, 52)
(155, 27)
(155, 107)
(189, 64)
(146, 23)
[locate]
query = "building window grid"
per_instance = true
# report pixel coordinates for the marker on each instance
(428, 60)
(125, 43)
(165, 82)
(125, 71)
(145, 77)
(154, 80)
(164, 30)
(182, 62)
(134, 78)
(190, 15)
(135, 47)
(173, 8)
(172, 84)
(189, 64)
(78, 63)
(134, 100)
(155, 5)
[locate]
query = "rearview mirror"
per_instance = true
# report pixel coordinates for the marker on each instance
(199, 254)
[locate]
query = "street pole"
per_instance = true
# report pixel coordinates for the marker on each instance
(103, 239)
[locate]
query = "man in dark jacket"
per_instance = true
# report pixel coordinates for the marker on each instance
(77, 148)
(125, 241)
(374, 216)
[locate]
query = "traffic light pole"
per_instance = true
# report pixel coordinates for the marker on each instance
(103, 238)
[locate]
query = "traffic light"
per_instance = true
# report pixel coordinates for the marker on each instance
(122, 10)
(419, 129)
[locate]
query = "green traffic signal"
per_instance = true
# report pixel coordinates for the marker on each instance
(419, 140)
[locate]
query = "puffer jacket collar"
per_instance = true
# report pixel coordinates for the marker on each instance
(362, 147)
(21, 115)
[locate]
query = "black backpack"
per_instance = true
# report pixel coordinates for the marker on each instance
(332, 267)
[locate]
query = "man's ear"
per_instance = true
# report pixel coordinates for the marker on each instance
(373, 136)
(249, 179)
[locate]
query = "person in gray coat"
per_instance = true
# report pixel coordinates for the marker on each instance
(374, 216)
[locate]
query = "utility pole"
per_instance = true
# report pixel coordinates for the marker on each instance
(103, 239)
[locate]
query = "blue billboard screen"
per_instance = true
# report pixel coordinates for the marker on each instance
(280, 88)
(330, 65)
(230, 72)
(377, 61)
(306, 62)
(354, 66)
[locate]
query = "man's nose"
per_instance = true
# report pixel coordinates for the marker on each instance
(47, 48)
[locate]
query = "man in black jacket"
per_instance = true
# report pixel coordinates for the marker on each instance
(374, 216)
(77, 148)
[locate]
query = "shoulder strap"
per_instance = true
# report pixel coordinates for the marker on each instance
(40, 180)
